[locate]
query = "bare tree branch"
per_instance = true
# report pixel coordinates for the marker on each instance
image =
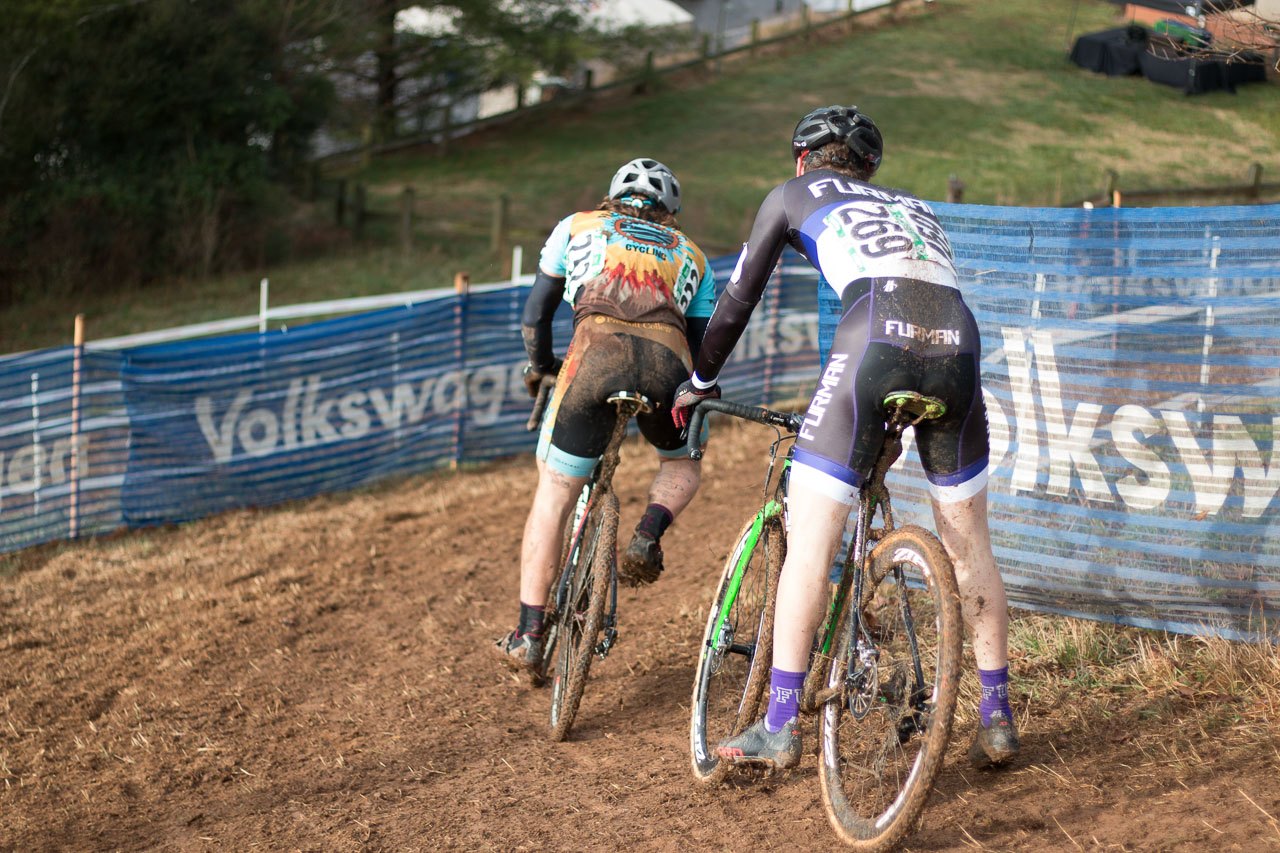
(1238, 35)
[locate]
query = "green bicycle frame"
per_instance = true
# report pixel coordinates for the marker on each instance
(772, 509)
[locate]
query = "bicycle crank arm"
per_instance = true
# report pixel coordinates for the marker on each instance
(822, 697)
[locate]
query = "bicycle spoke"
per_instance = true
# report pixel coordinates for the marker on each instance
(885, 733)
(582, 611)
(736, 646)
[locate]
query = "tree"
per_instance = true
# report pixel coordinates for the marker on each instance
(140, 139)
(473, 45)
(137, 138)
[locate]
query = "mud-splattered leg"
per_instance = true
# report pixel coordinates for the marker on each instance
(963, 529)
(544, 532)
(675, 484)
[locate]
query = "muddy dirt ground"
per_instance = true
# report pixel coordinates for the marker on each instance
(316, 677)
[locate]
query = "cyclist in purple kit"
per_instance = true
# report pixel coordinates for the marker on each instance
(642, 293)
(903, 326)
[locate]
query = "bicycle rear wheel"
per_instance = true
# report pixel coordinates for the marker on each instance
(884, 735)
(581, 615)
(737, 645)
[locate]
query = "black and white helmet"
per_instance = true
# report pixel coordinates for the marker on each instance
(649, 178)
(840, 124)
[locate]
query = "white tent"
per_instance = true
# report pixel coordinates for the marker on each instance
(424, 22)
(606, 14)
(616, 14)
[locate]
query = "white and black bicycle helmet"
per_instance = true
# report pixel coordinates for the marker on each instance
(650, 178)
(840, 124)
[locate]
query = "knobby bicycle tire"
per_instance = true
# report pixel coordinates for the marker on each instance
(737, 645)
(552, 633)
(882, 745)
(583, 612)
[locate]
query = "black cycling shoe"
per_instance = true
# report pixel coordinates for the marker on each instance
(642, 561)
(994, 745)
(520, 654)
(757, 745)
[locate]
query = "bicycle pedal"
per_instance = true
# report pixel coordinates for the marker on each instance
(908, 727)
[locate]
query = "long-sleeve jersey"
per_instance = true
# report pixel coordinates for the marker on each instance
(848, 229)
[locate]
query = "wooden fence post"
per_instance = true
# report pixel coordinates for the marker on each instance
(340, 203)
(359, 212)
(406, 220)
(1255, 181)
(73, 510)
(1110, 189)
(955, 190)
(755, 34)
(462, 290)
(498, 228)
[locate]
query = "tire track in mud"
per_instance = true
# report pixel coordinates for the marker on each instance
(316, 677)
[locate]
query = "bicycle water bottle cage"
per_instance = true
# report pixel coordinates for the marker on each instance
(917, 407)
(640, 404)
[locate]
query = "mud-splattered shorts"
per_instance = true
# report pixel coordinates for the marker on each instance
(608, 355)
(897, 335)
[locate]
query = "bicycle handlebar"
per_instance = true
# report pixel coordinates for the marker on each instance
(789, 421)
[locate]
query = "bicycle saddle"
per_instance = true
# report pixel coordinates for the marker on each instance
(643, 405)
(917, 406)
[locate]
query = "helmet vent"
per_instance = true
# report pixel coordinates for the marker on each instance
(647, 177)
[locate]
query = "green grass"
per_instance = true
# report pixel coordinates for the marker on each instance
(977, 89)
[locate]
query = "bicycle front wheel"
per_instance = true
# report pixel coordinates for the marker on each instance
(737, 645)
(581, 613)
(552, 631)
(883, 734)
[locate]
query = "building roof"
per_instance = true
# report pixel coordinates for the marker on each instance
(606, 14)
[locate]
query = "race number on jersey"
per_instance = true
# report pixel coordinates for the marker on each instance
(872, 239)
(584, 260)
(686, 285)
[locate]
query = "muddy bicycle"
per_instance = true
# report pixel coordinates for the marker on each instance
(583, 611)
(884, 673)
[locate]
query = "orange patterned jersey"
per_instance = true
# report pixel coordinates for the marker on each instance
(628, 268)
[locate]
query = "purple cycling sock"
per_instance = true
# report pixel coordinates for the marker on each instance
(657, 518)
(784, 698)
(530, 620)
(995, 693)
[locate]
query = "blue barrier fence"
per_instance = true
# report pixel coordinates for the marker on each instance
(1130, 360)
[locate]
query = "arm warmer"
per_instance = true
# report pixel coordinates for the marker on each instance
(694, 329)
(759, 256)
(535, 322)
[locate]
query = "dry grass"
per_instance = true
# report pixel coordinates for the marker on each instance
(1159, 692)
